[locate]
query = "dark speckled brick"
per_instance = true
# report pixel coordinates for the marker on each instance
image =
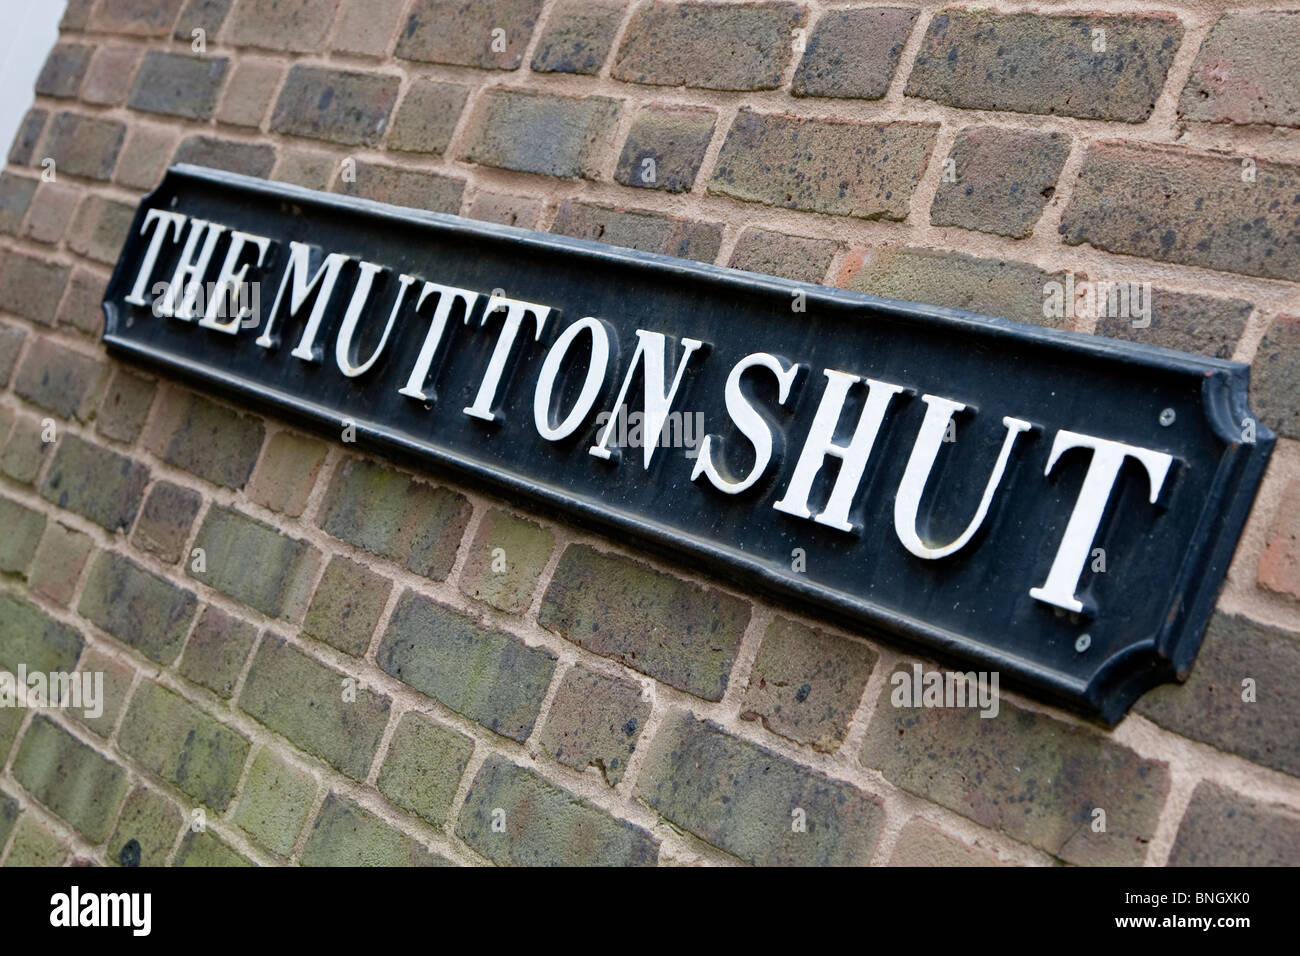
(853, 53)
(578, 36)
(1224, 828)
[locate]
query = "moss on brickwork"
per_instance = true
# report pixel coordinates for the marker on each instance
(276, 801)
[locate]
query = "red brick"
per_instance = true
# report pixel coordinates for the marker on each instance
(1279, 565)
(109, 78)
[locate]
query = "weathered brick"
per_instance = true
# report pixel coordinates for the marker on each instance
(254, 563)
(61, 555)
(101, 228)
(390, 514)
(1035, 63)
(51, 212)
(76, 17)
(367, 27)
(791, 257)
(710, 45)
(427, 116)
(595, 721)
(8, 816)
(11, 343)
(250, 159)
(35, 846)
(544, 824)
(1211, 707)
(340, 106)
(673, 630)
(315, 716)
(1275, 376)
(486, 675)
(305, 168)
(344, 834)
(300, 26)
(25, 451)
(742, 798)
(1180, 205)
(145, 157)
(459, 33)
(16, 193)
(1279, 564)
(806, 684)
(84, 145)
(95, 482)
(23, 528)
(853, 53)
(665, 148)
(64, 70)
(204, 438)
(180, 743)
(520, 211)
(118, 678)
(921, 844)
(252, 86)
(28, 135)
(216, 651)
(1240, 74)
(150, 18)
(1225, 828)
(1032, 776)
(207, 849)
(1179, 320)
(414, 188)
(838, 168)
(146, 830)
(82, 309)
(1004, 179)
(61, 380)
(423, 767)
(178, 84)
(275, 803)
(505, 561)
(165, 521)
(31, 287)
(126, 403)
(137, 606)
(286, 472)
(74, 781)
(578, 37)
(205, 15)
(641, 229)
(348, 602)
(540, 133)
(108, 80)
(997, 287)
(29, 636)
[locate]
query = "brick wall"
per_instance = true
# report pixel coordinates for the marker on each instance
(352, 676)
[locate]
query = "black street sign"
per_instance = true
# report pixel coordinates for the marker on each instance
(1054, 507)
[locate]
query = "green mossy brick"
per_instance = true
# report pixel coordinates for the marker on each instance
(254, 563)
(345, 834)
(347, 605)
(484, 674)
(670, 629)
(315, 716)
(595, 721)
(545, 825)
(171, 737)
(118, 677)
(805, 685)
(506, 579)
(205, 439)
(30, 636)
(137, 606)
(35, 846)
(24, 452)
(146, 830)
(423, 767)
(743, 799)
(76, 782)
(61, 555)
(276, 802)
(1030, 775)
(22, 533)
(390, 514)
(95, 482)
(208, 849)
(216, 651)
(9, 811)
(165, 520)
